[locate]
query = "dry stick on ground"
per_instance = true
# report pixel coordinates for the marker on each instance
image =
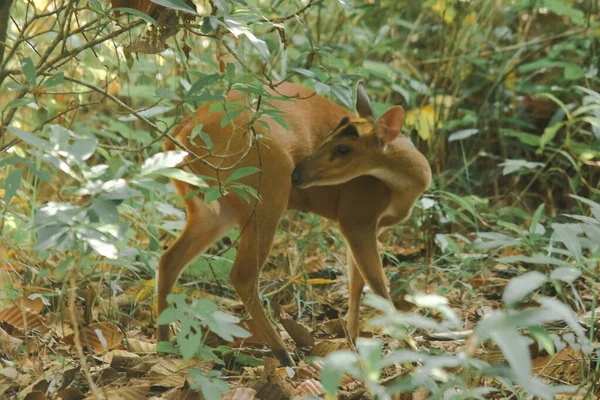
(77, 334)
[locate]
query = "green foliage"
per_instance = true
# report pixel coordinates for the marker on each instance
(502, 97)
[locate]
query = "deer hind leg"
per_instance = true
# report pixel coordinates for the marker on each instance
(205, 224)
(252, 253)
(356, 284)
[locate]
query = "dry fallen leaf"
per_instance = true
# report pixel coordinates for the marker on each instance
(311, 386)
(101, 336)
(298, 333)
(124, 393)
(240, 394)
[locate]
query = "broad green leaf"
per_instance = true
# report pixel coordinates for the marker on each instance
(522, 286)
(28, 70)
(137, 13)
(211, 388)
(566, 274)
(29, 138)
(463, 134)
(55, 79)
(511, 166)
(12, 185)
(242, 172)
(176, 5)
(183, 176)
(98, 241)
(49, 236)
(549, 134)
(168, 159)
(167, 93)
(535, 220)
(211, 194)
(515, 348)
(566, 234)
(573, 72)
(202, 83)
(82, 149)
(19, 102)
(105, 209)
(334, 366)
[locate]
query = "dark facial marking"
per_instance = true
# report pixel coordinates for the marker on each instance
(350, 130)
(343, 122)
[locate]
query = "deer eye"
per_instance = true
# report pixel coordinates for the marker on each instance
(343, 150)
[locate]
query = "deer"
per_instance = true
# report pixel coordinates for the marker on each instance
(356, 170)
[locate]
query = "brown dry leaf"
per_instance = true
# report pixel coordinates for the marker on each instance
(35, 395)
(9, 344)
(140, 346)
(298, 333)
(124, 393)
(108, 356)
(311, 386)
(171, 365)
(71, 393)
(327, 347)
(101, 336)
(566, 364)
(169, 381)
(312, 370)
(334, 327)
(314, 264)
(23, 318)
(183, 394)
(34, 304)
(240, 394)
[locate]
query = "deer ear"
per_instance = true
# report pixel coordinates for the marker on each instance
(389, 126)
(363, 104)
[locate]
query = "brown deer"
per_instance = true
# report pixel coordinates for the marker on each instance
(358, 171)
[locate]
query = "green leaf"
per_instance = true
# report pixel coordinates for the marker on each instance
(566, 274)
(242, 172)
(521, 286)
(211, 194)
(334, 366)
(12, 185)
(49, 236)
(212, 388)
(167, 93)
(537, 215)
(29, 138)
(305, 72)
(549, 134)
(202, 83)
(573, 72)
(82, 149)
(566, 234)
(98, 241)
(167, 159)
(169, 315)
(19, 102)
(28, 70)
(515, 348)
(542, 336)
(105, 209)
(54, 80)
(176, 5)
(137, 13)
(183, 176)
(463, 134)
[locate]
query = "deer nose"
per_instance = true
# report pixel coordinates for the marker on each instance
(297, 175)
